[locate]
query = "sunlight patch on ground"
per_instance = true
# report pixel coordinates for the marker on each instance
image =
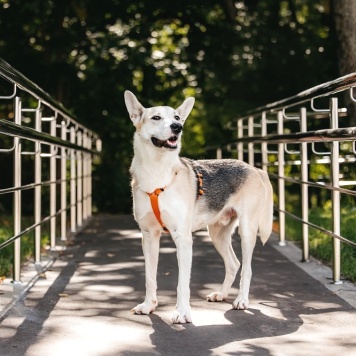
(112, 267)
(133, 234)
(167, 250)
(87, 336)
(204, 317)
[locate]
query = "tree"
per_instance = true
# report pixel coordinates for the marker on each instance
(230, 55)
(345, 24)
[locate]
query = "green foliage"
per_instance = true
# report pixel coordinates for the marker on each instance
(230, 55)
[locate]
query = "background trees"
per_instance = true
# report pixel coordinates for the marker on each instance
(230, 55)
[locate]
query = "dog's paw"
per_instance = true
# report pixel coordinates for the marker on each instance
(144, 308)
(240, 303)
(216, 297)
(181, 317)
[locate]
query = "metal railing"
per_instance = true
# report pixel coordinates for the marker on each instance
(51, 155)
(285, 138)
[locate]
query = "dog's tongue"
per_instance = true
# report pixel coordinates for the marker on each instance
(170, 143)
(172, 140)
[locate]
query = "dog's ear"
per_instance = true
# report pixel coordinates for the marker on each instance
(133, 106)
(185, 109)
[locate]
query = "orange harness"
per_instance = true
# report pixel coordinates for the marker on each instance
(155, 194)
(155, 206)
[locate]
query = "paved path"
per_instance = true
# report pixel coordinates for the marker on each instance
(82, 306)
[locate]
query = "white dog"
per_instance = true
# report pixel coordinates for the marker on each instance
(181, 196)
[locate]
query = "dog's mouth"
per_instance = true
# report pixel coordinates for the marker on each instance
(171, 143)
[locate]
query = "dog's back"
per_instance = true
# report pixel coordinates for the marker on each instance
(227, 186)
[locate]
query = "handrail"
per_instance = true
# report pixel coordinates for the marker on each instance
(14, 130)
(14, 76)
(69, 183)
(325, 89)
(267, 125)
(327, 135)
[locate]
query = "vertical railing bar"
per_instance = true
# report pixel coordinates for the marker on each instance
(85, 180)
(304, 187)
(264, 144)
(250, 145)
(281, 184)
(240, 148)
(335, 171)
(79, 181)
(63, 183)
(53, 186)
(90, 161)
(73, 185)
(37, 193)
(17, 200)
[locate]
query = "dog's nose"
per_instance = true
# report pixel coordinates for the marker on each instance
(176, 128)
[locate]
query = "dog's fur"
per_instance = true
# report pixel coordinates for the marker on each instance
(235, 194)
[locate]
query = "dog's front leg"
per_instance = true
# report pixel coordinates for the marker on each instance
(184, 243)
(150, 247)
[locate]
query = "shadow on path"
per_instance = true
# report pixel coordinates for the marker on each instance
(101, 277)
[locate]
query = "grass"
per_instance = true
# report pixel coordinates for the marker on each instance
(321, 245)
(27, 245)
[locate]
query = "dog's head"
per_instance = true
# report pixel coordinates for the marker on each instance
(160, 126)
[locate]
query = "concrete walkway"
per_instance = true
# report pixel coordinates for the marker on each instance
(83, 305)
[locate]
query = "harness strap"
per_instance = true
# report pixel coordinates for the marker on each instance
(199, 176)
(155, 194)
(155, 206)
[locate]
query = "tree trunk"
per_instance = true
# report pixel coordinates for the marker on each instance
(345, 26)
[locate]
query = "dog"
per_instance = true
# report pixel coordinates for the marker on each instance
(179, 195)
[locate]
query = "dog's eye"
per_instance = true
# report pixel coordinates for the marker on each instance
(156, 118)
(177, 118)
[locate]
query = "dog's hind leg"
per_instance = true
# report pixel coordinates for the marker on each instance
(221, 237)
(150, 247)
(248, 233)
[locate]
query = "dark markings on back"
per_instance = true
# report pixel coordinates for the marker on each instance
(221, 178)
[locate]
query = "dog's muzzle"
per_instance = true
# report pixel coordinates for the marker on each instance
(171, 143)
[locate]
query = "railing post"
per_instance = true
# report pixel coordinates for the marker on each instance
(17, 200)
(73, 195)
(85, 178)
(240, 145)
(63, 183)
(37, 195)
(304, 187)
(335, 170)
(251, 153)
(89, 177)
(79, 181)
(53, 184)
(264, 144)
(281, 184)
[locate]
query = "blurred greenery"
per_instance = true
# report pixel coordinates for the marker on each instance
(230, 55)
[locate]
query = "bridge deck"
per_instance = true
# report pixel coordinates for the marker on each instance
(83, 305)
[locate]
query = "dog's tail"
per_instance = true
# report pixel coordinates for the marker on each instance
(266, 219)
